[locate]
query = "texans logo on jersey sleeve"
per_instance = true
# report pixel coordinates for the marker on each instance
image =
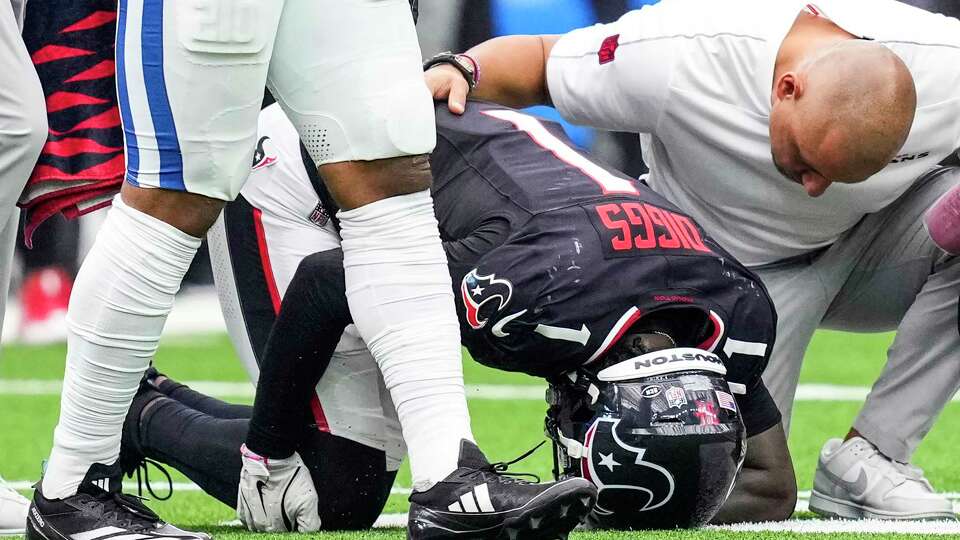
(608, 460)
(477, 291)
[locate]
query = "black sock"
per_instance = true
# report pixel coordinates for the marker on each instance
(203, 403)
(351, 479)
(205, 448)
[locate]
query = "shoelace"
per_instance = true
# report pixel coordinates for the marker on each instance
(127, 511)
(896, 472)
(914, 473)
(500, 469)
(143, 479)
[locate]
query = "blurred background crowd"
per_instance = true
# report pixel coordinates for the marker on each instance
(44, 275)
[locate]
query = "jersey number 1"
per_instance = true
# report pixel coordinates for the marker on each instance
(609, 183)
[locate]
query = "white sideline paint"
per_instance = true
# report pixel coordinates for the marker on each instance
(499, 392)
(195, 311)
(821, 526)
(795, 525)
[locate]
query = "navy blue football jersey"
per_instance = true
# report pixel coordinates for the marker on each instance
(554, 256)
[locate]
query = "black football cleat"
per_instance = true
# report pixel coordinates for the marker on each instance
(478, 501)
(99, 512)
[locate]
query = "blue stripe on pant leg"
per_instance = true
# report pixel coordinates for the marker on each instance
(171, 160)
(129, 133)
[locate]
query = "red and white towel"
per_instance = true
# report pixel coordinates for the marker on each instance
(81, 166)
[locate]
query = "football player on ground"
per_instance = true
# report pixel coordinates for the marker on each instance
(748, 113)
(564, 269)
(190, 83)
(23, 130)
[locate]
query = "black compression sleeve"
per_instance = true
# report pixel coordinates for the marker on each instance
(312, 318)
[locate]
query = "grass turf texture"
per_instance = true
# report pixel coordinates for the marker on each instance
(834, 358)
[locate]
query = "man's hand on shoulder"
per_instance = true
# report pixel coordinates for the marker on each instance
(276, 495)
(447, 83)
(514, 73)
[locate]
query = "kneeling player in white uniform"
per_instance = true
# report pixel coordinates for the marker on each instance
(551, 282)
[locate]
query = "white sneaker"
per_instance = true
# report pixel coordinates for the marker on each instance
(13, 511)
(855, 481)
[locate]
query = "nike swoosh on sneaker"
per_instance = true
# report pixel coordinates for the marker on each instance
(858, 488)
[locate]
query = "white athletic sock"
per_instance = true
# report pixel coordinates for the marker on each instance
(120, 302)
(401, 299)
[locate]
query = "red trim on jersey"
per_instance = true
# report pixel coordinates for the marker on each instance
(814, 10)
(711, 342)
(318, 415)
(265, 260)
(618, 330)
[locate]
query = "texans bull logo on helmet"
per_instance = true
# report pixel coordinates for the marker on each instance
(608, 460)
(477, 291)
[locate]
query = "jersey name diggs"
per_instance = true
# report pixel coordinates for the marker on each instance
(629, 227)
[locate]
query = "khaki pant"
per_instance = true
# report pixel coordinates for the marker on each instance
(883, 274)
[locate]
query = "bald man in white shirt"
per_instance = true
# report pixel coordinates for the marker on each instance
(807, 137)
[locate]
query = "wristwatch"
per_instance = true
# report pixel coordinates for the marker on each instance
(465, 64)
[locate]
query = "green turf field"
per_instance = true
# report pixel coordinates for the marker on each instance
(504, 427)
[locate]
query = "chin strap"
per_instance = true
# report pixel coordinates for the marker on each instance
(573, 447)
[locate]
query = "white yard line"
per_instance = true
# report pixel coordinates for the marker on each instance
(822, 526)
(391, 520)
(795, 525)
(500, 392)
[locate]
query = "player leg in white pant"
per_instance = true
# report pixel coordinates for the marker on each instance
(23, 130)
(367, 121)
(190, 77)
(884, 274)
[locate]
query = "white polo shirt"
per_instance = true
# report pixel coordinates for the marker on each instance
(694, 78)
